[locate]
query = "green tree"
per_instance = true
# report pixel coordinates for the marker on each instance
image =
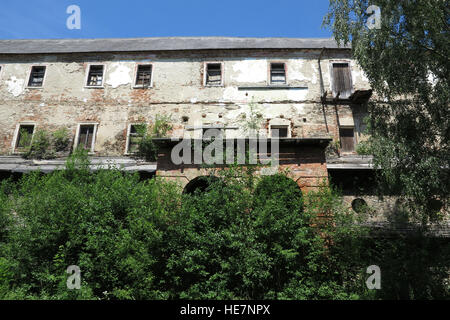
(407, 63)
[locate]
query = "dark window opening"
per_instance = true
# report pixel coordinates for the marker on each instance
(86, 136)
(137, 131)
(347, 138)
(213, 74)
(277, 73)
(25, 136)
(144, 75)
(342, 80)
(36, 77)
(95, 76)
(279, 131)
(199, 184)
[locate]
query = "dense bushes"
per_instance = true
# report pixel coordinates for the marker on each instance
(240, 239)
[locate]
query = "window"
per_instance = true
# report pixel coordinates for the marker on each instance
(342, 80)
(347, 138)
(144, 75)
(213, 74)
(95, 76)
(135, 134)
(279, 131)
(277, 73)
(36, 76)
(24, 137)
(212, 132)
(86, 137)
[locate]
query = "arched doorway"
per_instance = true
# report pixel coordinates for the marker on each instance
(200, 183)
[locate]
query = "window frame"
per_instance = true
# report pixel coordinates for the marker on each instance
(27, 85)
(354, 139)
(16, 135)
(287, 126)
(127, 145)
(94, 138)
(269, 73)
(137, 86)
(2, 66)
(331, 72)
(88, 70)
(222, 73)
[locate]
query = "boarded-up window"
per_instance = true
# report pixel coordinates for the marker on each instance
(86, 136)
(137, 131)
(347, 137)
(36, 77)
(144, 75)
(95, 76)
(24, 136)
(213, 74)
(342, 80)
(277, 73)
(279, 131)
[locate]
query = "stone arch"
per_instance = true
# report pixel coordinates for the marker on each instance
(276, 184)
(200, 183)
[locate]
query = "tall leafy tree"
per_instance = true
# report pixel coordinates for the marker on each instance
(406, 60)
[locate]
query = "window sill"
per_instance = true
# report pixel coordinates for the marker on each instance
(142, 87)
(28, 87)
(94, 87)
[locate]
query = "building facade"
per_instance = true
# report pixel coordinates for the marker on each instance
(307, 92)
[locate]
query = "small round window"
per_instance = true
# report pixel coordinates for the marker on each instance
(359, 205)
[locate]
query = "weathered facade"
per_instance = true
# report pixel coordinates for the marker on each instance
(311, 90)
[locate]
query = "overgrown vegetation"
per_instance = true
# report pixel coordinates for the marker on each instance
(46, 145)
(147, 148)
(244, 237)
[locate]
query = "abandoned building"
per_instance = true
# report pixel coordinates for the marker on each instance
(101, 90)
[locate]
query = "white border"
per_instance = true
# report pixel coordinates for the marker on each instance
(222, 73)
(269, 71)
(88, 69)
(280, 125)
(128, 136)
(330, 70)
(27, 86)
(134, 85)
(16, 134)
(75, 143)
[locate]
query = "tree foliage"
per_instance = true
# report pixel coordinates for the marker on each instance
(407, 63)
(243, 237)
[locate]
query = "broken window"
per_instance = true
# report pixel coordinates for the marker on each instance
(137, 131)
(143, 75)
(213, 74)
(24, 136)
(347, 138)
(277, 73)
(279, 131)
(36, 76)
(342, 80)
(86, 137)
(95, 76)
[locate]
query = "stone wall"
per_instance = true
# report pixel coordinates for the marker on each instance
(177, 90)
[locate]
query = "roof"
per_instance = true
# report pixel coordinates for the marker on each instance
(33, 46)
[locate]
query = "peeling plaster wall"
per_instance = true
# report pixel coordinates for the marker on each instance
(177, 91)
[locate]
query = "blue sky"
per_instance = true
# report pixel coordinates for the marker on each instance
(25, 19)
